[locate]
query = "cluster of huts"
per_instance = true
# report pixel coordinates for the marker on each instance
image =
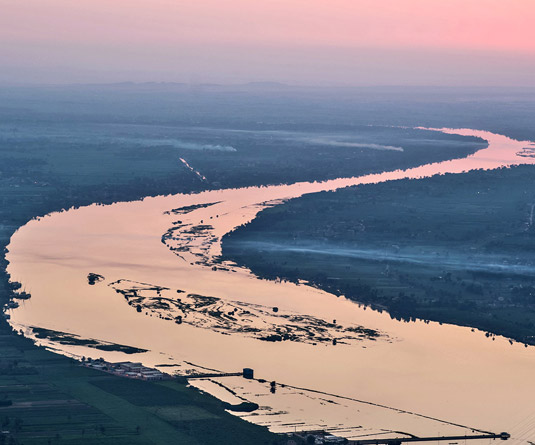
(126, 369)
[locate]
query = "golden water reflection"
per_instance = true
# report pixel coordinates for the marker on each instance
(441, 371)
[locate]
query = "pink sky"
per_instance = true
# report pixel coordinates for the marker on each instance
(295, 41)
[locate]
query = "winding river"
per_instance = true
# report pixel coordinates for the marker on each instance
(163, 290)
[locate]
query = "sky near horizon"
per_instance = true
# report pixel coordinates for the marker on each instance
(314, 42)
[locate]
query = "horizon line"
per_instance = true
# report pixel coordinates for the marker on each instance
(259, 83)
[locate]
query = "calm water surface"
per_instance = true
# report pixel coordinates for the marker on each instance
(455, 378)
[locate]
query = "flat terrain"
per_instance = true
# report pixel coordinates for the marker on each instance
(47, 398)
(453, 248)
(73, 146)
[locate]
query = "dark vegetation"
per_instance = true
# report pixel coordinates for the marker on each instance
(73, 146)
(452, 248)
(93, 278)
(244, 407)
(46, 398)
(224, 316)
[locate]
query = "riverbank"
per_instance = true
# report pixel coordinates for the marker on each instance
(75, 306)
(454, 249)
(29, 191)
(61, 149)
(49, 397)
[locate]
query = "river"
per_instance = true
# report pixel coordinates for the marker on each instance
(159, 261)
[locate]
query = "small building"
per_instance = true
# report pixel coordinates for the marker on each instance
(152, 375)
(130, 367)
(248, 373)
(98, 366)
(329, 438)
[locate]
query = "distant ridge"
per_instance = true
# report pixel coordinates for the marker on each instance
(182, 86)
(268, 84)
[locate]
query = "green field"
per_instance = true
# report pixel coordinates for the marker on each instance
(52, 399)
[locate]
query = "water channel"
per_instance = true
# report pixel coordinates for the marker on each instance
(160, 254)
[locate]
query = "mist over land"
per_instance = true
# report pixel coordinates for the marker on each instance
(206, 238)
(70, 146)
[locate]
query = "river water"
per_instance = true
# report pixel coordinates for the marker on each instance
(415, 378)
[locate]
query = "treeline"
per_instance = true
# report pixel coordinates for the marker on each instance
(451, 248)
